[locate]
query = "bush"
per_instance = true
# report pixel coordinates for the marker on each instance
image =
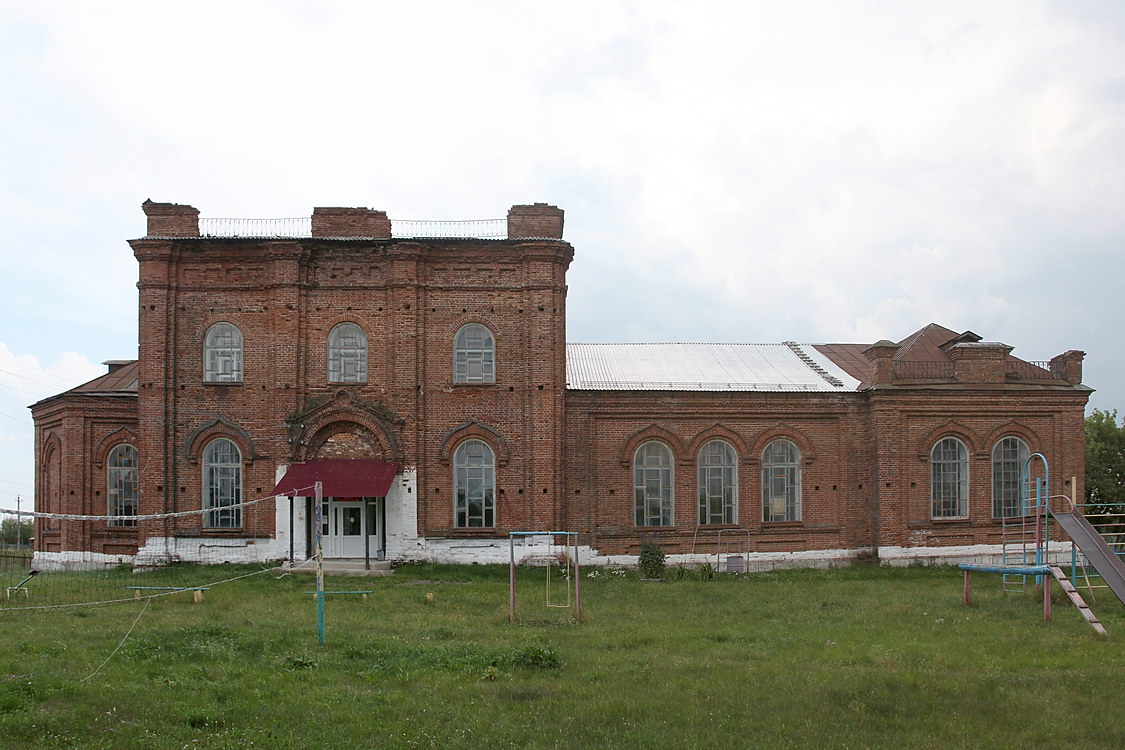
(651, 560)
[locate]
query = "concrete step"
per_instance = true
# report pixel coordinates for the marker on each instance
(344, 567)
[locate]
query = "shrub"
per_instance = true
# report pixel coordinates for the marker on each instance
(651, 560)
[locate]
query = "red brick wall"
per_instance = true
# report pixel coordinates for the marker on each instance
(410, 297)
(79, 431)
(564, 459)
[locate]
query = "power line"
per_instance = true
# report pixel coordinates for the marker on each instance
(17, 363)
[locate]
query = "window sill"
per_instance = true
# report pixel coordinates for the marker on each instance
(782, 524)
(493, 384)
(953, 521)
(223, 383)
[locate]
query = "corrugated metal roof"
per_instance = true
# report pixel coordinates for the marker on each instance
(703, 367)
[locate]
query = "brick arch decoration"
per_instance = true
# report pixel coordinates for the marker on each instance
(782, 431)
(50, 476)
(1012, 428)
(213, 318)
(658, 433)
(717, 432)
(474, 429)
(112, 440)
(955, 429)
(343, 412)
(221, 427)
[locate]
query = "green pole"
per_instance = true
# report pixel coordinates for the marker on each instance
(319, 521)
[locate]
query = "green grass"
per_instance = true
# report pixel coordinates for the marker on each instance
(848, 658)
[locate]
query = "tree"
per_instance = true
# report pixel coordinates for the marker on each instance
(1105, 460)
(14, 530)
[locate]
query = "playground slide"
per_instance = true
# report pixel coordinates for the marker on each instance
(1108, 564)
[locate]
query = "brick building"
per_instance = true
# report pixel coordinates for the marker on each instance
(420, 371)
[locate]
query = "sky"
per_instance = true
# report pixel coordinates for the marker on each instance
(731, 171)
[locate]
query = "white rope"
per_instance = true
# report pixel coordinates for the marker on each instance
(148, 517)
(119, 645)
(132, 598)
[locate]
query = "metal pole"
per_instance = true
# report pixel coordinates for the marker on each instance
(965, 593)
(577, 583)
(511, 579)
(1046, 598)
(364, 511)
(319, 511)
(291, 532)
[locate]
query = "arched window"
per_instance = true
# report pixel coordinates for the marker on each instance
(347, 354)
(474, 485)
(121, 484)
(474, 355)
(222, 354)
(949, 485)
(1008, 458)
(781, 481)
(718, 483)
(653, 496)
(222, 484)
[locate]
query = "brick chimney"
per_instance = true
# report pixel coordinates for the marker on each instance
(1068, 366)
(880, 355)
(171, 220)
(537, 221)
(350, 222)
(980, 362)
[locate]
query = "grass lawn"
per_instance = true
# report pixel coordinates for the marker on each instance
(847, 658)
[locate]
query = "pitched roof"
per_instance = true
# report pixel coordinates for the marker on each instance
(704, 367)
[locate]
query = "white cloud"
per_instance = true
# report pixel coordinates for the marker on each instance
(730, 170)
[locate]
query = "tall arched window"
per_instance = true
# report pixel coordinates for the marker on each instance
(653, 496)
(1008, 458)
(474, 485)
(222, 354)
(474, 355)
(949, 484)
(347, 354)
(222, 484)
(718, 483)
(781, 481)
(121, 484)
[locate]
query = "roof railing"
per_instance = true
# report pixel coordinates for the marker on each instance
(923, 370)
(301, 227)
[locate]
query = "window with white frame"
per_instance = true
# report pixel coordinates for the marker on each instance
(653, 496)
(474, 355)
(121, 484)
(781, 481)
(718, 483)
(949, 479)
(474, 485)
(347, 354)
(1009, 456)
(222, 354)
(222, 484)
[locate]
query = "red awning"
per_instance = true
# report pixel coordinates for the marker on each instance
(341, 477)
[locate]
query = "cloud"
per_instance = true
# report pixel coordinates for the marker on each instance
(730, 171)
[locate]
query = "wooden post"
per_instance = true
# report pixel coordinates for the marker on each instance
(965, 593)
(198, 596)
(1046, 598)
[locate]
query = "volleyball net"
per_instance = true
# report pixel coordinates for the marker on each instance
(78, 560)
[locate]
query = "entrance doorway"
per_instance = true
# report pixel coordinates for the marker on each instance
(343, 527)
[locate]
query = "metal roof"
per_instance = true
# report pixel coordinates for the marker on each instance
(704, 367)
(341, 477)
